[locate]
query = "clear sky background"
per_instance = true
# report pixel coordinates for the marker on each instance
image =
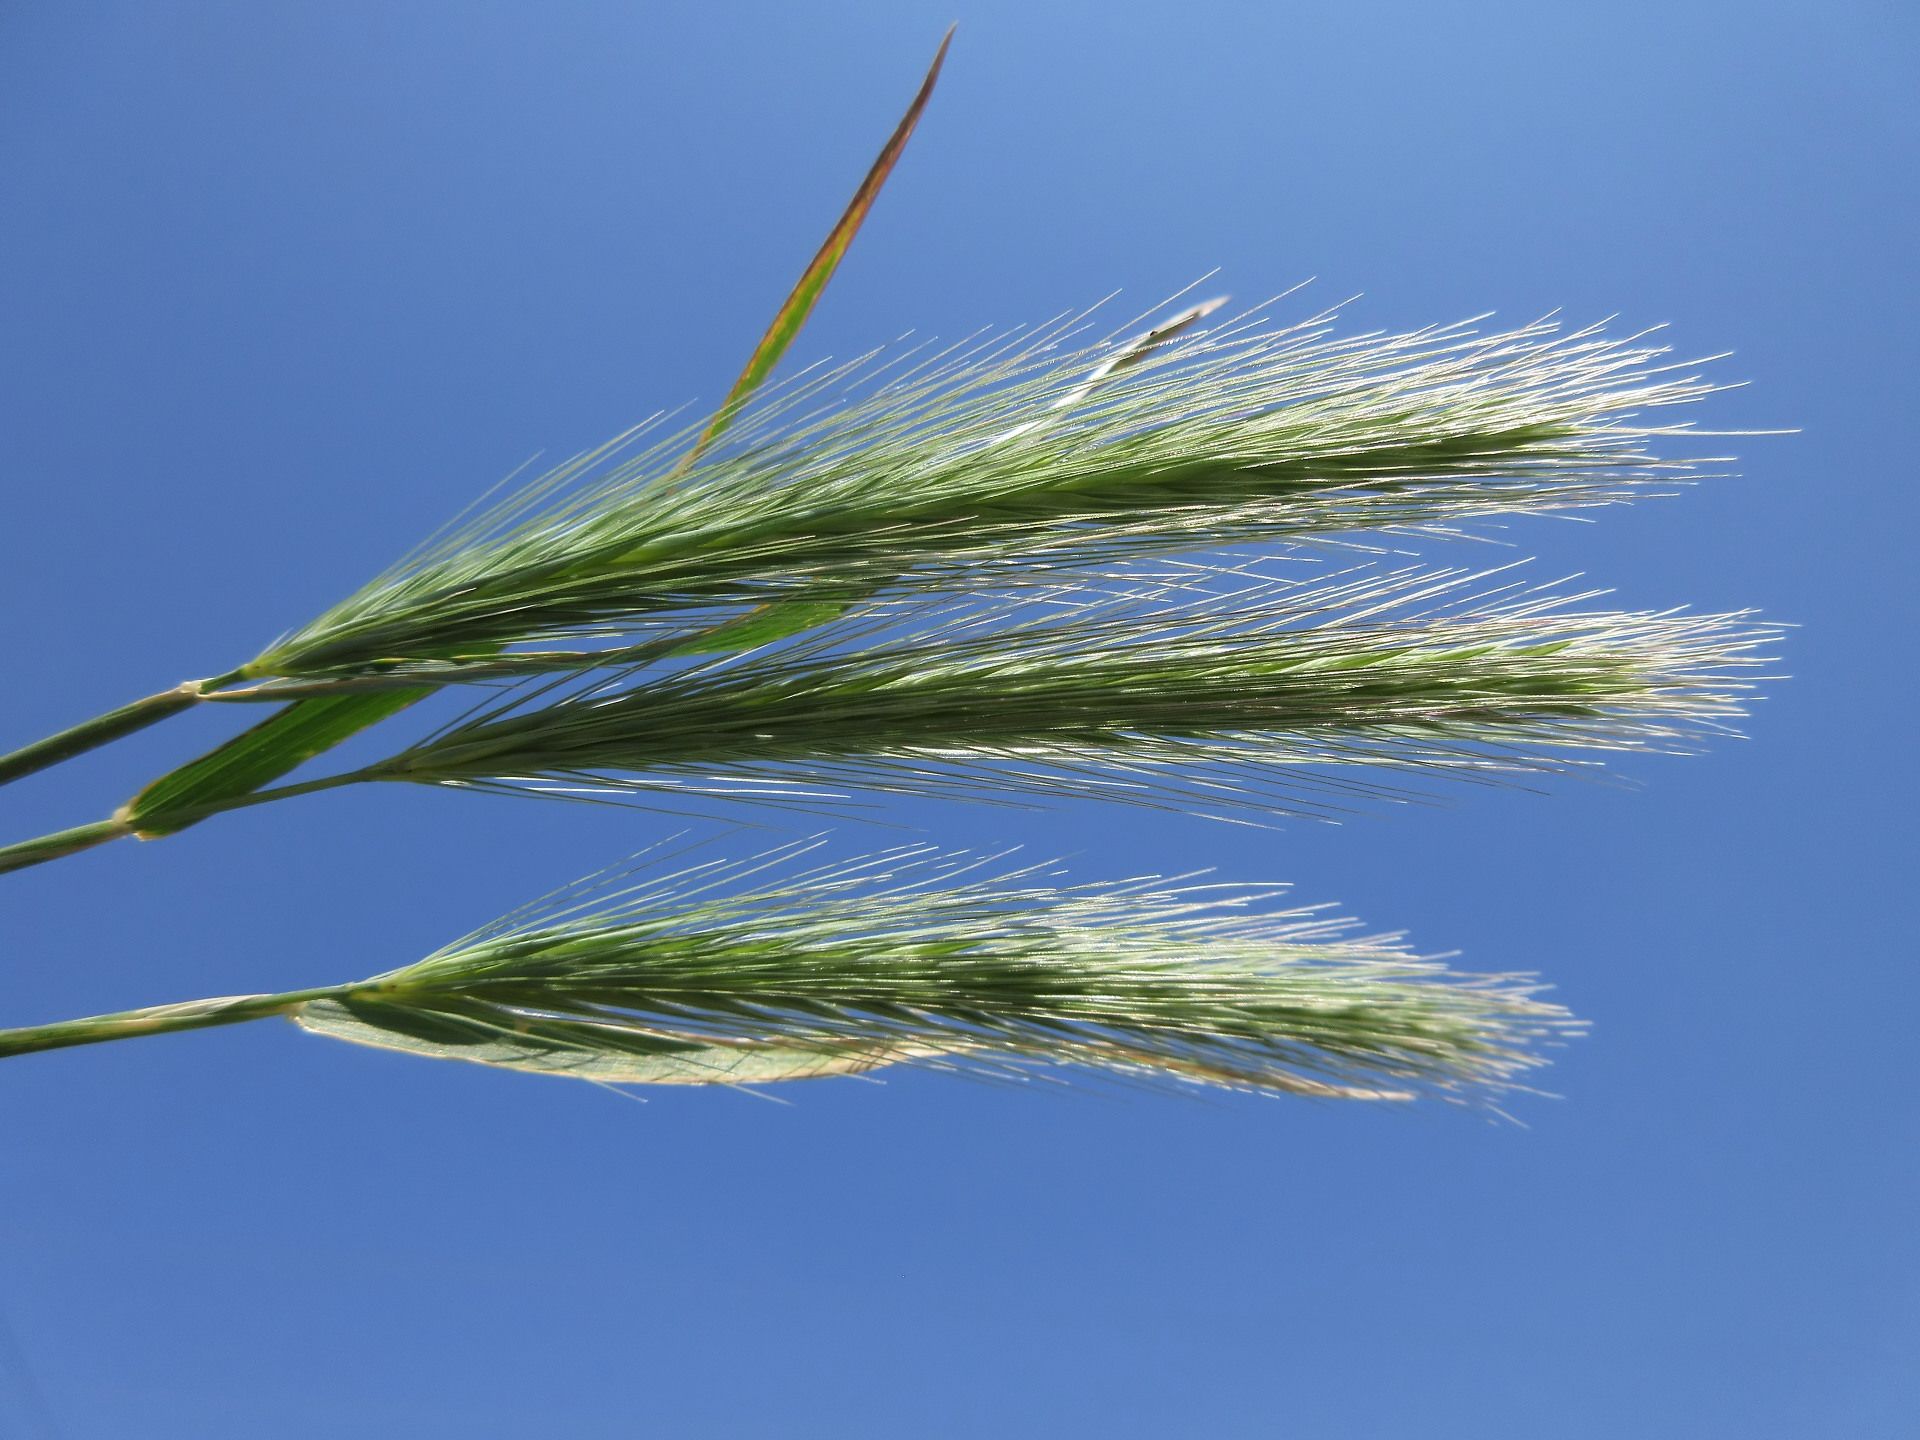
(285, 285)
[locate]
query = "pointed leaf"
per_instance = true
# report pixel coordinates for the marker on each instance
(283, 741)
(806, 292)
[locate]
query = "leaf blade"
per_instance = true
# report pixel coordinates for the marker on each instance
(282, 742)
(806, 292)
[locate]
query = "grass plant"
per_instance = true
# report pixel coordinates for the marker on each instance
(1004, 568)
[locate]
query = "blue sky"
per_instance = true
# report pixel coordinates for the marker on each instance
(287, 285)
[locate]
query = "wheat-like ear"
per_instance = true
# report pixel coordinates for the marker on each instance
(1005, 455)
(1218, 691)
(693, 971)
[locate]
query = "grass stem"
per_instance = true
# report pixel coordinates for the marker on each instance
(157, 1020)
(60, 844)
(102, 729)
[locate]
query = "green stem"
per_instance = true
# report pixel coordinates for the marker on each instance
(158, 1020)
(62, 843)
(103, 729)
(436, 674)
(304, 787)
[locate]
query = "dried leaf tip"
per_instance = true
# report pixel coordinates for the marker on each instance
(813, 280)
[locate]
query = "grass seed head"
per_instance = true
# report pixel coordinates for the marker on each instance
(1004, 455)
(1214, 690)
(781, 968)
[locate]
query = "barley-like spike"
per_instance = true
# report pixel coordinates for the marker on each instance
(778, 968)
(1222, 691)
(1006, 454)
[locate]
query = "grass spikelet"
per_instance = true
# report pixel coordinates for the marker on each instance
(1218, 690)
(989, 458)
(775, 968)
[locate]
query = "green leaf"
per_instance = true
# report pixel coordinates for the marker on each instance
(283, 741)
(762, 625)
(806, 292)
(297, 733)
